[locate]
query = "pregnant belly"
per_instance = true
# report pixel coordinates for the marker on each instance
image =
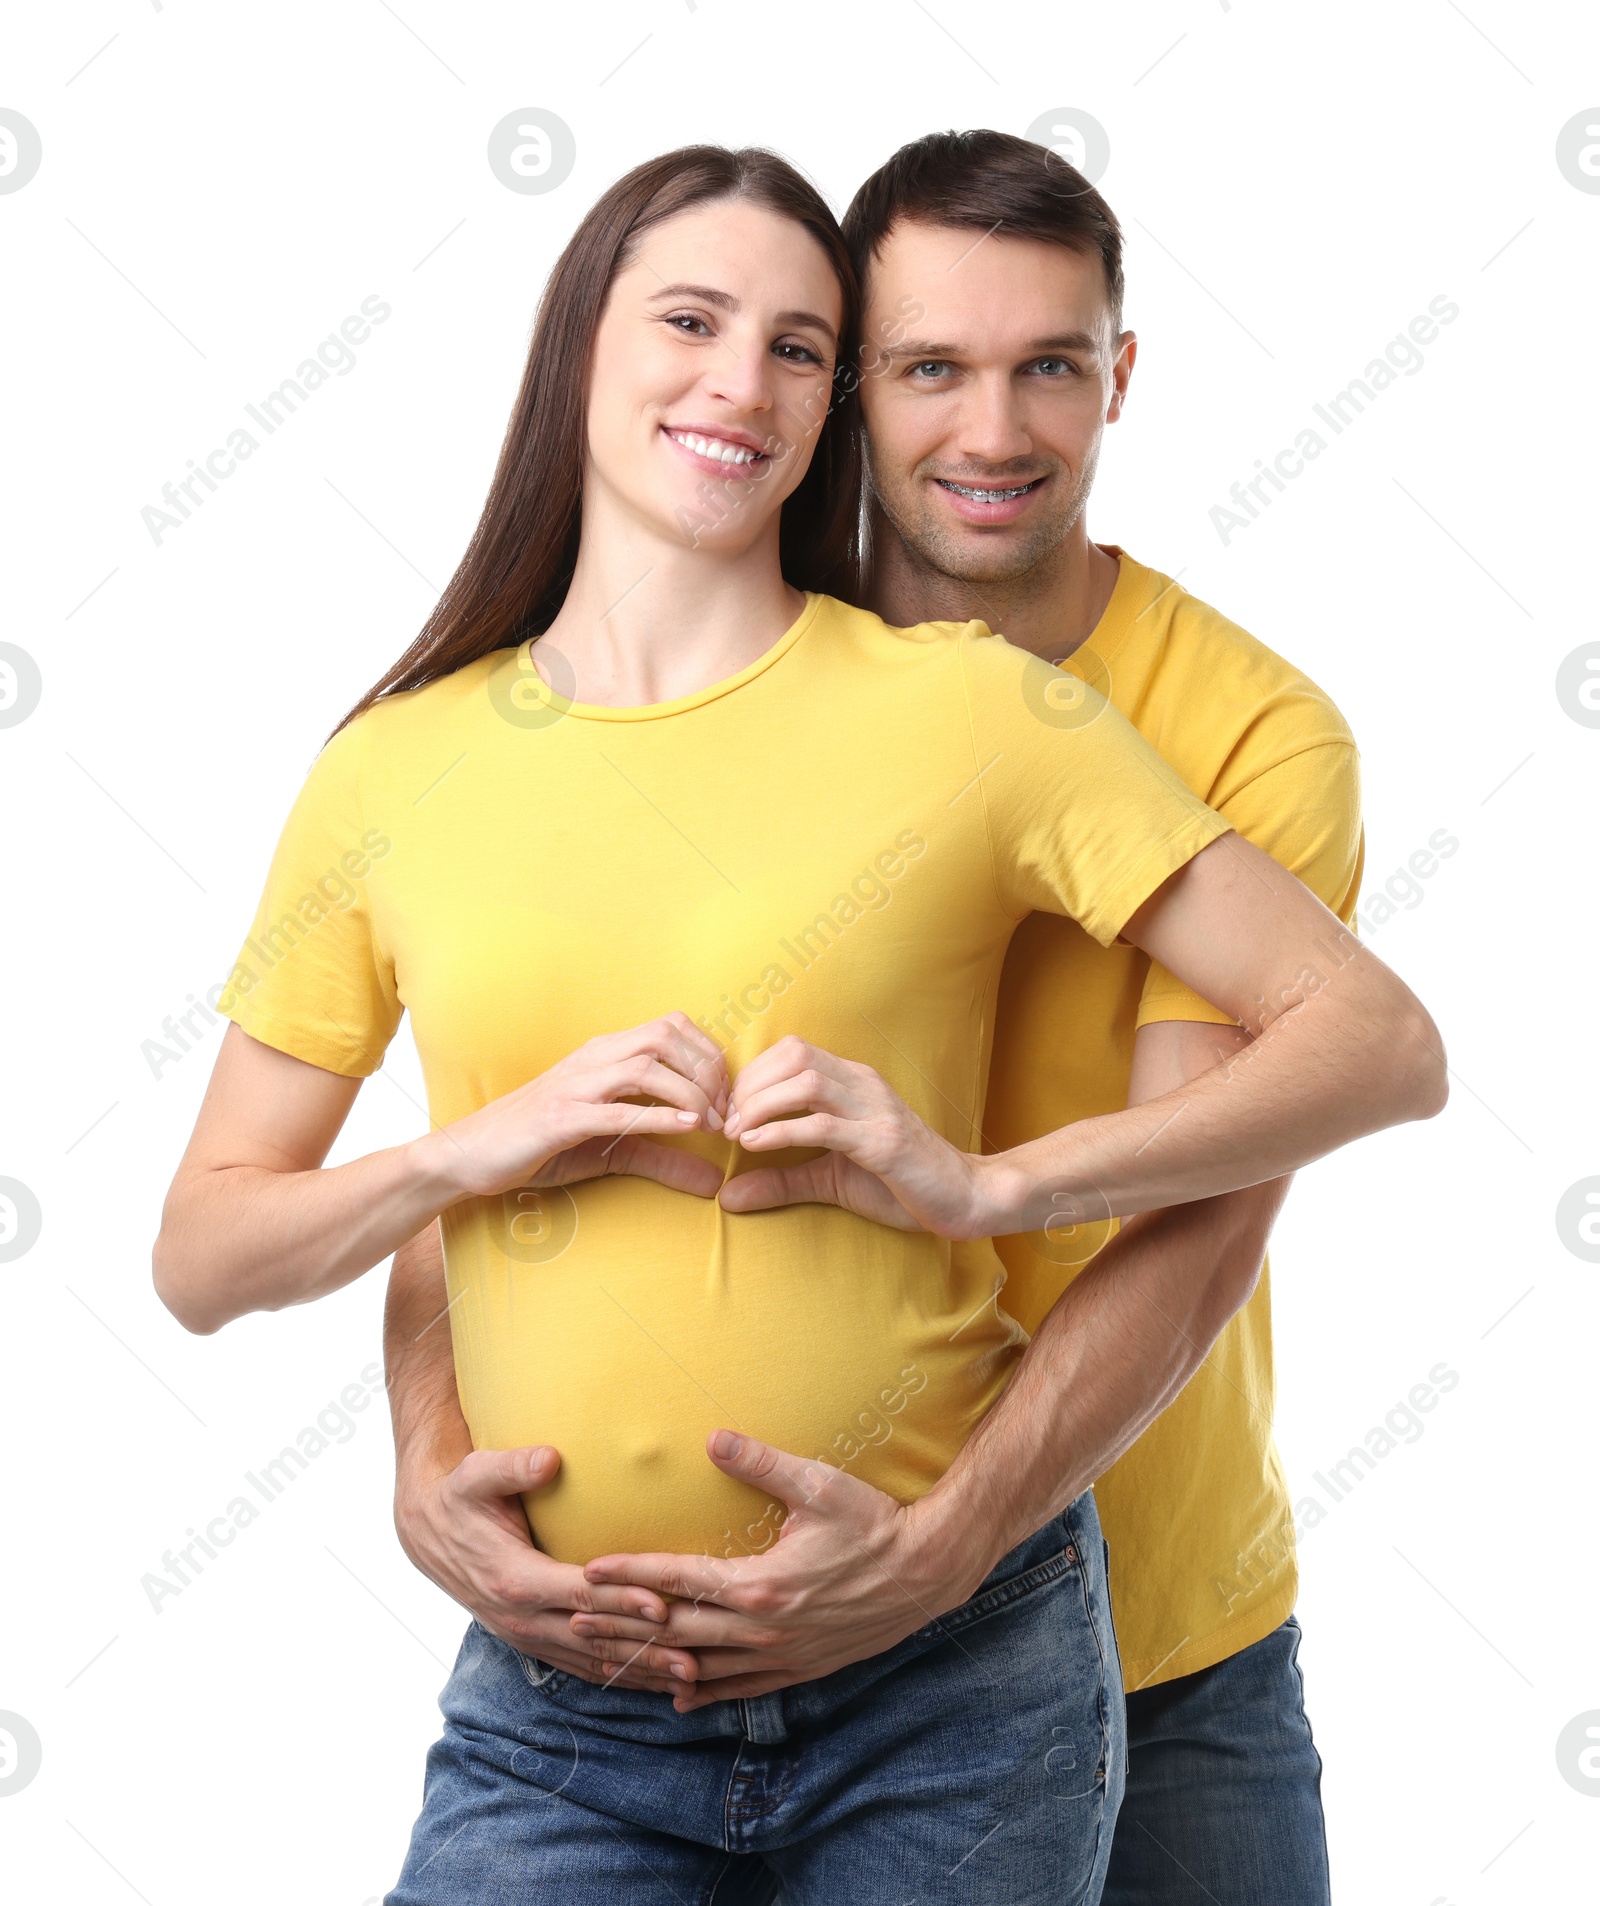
(633, 1321)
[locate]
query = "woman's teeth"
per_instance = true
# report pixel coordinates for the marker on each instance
(716, 448)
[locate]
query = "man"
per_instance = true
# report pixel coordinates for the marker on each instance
(997, 357)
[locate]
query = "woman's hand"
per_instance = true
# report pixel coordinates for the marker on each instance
(255, 1220)
(881, 1160)
(593, 1112)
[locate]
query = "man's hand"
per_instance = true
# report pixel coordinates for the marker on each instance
(1119, 1345)
(466, 1531)
(852, 1573)
(458, 1511)
(881, 1160)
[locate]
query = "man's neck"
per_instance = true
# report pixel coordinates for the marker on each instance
(1051, 610)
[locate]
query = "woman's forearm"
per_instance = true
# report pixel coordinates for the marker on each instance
(240, 1238)
(255, 1221)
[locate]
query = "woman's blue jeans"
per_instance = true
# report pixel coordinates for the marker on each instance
(980, 1760)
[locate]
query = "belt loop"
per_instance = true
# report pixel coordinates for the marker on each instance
(765, 1723)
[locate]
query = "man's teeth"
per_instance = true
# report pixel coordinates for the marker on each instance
(986, 496)
(714, 447)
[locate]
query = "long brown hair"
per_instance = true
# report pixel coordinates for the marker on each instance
(519, 563)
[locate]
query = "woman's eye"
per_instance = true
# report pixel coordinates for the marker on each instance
(793, 353)
(689, 324)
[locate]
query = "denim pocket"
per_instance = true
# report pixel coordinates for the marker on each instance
(1036, 1564)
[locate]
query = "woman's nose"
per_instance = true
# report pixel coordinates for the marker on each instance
(741, 374)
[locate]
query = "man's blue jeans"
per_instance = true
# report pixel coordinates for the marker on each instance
(980, 1760)
(1223, 1801)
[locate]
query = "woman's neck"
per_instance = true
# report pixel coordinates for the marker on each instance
(647, 619)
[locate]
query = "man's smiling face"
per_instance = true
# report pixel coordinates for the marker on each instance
(985, 410)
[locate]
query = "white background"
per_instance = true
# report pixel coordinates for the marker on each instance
(220, 187)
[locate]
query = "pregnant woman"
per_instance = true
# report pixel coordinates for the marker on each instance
(639, 771)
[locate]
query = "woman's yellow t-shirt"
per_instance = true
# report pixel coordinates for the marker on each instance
(836, 842)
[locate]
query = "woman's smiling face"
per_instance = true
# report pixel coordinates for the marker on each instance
(712, 373)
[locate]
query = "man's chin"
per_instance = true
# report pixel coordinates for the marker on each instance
(981, 557)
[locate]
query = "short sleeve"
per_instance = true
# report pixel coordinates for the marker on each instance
(1085, 818)
(1305, 811)
(310, 979)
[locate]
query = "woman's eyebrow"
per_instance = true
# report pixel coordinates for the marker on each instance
(807, 317)
(725, 301)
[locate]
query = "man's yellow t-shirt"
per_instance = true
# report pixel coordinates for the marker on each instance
(1197, 1514)
(838, 842)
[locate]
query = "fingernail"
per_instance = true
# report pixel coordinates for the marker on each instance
(730, 1124)
(726, 1445)
(680, 1671)
(582, 1627)
(688, 1118)
(714, 1118)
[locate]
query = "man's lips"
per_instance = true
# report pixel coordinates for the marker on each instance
(989, 502)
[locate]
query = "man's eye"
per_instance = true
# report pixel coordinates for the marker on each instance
(1055, 367)
(930, 368)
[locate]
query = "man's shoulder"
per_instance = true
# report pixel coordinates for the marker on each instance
(1182, 663)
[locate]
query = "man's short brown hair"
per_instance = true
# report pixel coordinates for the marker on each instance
(987, 182)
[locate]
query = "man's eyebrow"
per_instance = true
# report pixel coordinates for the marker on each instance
(725, 301)
(1064, 341)
(917, 348)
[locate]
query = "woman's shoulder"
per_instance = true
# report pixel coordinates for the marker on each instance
(869, 628)
(408, 731)
(406, 714)
(951, 660)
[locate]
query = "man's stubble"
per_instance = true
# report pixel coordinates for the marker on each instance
(1024, 564)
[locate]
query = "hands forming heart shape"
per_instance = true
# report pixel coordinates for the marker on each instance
(605, 1108)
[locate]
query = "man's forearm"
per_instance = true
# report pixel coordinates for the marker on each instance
(1320, 1075)
(429, 1427)
(1120, 1343)
(1341, 1047)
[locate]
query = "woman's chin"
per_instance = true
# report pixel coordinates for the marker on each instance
(713, 516)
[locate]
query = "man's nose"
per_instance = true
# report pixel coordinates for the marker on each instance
(990, 426)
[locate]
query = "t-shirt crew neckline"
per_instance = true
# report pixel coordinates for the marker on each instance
(1122, 610)
(656, 711)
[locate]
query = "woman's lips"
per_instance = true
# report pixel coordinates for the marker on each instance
(988, 502)
(715, 454)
